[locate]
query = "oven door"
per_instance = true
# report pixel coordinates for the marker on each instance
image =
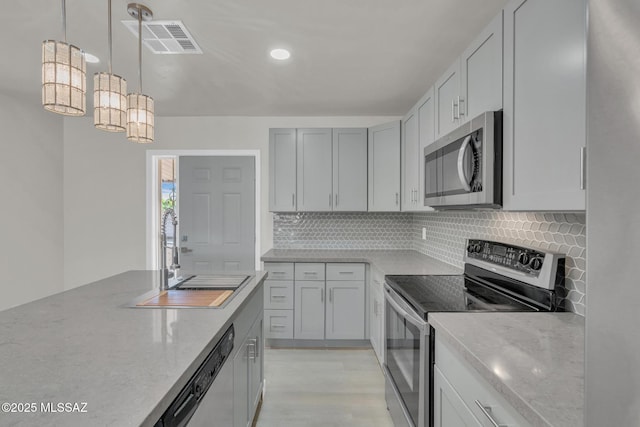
(406, 356)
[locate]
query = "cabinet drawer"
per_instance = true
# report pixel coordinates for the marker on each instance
(279, 270)
(345, 271)
(475, 390)
(278, 324)
(278, 294)
(309, 271)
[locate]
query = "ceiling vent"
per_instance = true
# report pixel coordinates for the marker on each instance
(165, 37)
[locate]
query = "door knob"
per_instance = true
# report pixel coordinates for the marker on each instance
(185, 250)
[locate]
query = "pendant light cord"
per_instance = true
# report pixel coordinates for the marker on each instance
(110, 43)
(140, 47)
(64, 20)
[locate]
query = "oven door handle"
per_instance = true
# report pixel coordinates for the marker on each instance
(461, 172)
(409, 317)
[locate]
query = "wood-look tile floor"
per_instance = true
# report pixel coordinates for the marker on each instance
(323, 388)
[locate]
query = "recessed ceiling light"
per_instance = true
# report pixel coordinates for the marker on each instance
(280, 54)
(92, 59)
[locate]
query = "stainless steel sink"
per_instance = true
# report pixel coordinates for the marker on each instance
(201, 282)
(211, 282)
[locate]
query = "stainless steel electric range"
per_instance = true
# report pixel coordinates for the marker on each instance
(497, 277)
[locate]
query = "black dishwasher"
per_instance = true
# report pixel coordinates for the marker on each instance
(182, 409)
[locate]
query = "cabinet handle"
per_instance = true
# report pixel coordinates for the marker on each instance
(277, 296)
(397, 199)
(321, 295)
(331, 295)
(251, 350)
(310, 273)
(453, 110)
(278, 326)
(346, 272)
(583, 158)
(330, 198)
(257, 340)
(293, 200)
(486, 410)
(336, 199)
(375, 308)
(460, 109)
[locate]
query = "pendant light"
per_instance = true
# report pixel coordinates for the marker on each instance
(63, 75)
(140, 118)
(109, 96)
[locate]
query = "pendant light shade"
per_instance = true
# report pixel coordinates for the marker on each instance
(140, 108)
(63, 76)
(109, 96)
(109, 102)
(140, 118)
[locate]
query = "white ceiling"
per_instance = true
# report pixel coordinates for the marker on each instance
(349, 57)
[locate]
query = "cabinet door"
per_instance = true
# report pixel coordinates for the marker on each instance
(449, 409)
(481, 73)
(309, 310)
(282, 170)
(447, 93)
(426, 134)
(350, 170)
(314, 176)
(345, 310)
(255, 367)
(241, 386)
(384, 167)
(544, 105)
(410, 147)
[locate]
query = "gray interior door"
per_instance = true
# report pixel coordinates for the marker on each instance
(216, 203)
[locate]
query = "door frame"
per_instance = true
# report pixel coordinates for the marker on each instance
(153, 197)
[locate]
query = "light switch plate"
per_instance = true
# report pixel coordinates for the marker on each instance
(424, 233)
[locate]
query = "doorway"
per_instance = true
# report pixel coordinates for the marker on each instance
(216, 195)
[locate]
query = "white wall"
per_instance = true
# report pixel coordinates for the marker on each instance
(31, 253)
(104, 183)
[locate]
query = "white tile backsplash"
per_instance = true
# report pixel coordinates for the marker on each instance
(446, 236)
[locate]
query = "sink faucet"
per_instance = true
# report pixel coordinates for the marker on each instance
(171, 271)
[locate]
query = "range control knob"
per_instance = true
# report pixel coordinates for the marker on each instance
(477, 248)
(523, 258)
(536, 263)
(470, 248)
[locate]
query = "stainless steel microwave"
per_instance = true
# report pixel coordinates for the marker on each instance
(463, 169)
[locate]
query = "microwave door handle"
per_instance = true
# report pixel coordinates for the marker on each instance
(461, 173)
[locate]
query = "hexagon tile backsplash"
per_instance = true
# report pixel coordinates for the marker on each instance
(446, 236)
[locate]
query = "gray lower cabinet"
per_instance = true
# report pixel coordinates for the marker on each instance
(376, 314)
(449, 409)
(248, 364)
(344, 317)
(247, 376)
(278, 324)
(384, 167)
(282, 170)
(309, 309)
(278, 300)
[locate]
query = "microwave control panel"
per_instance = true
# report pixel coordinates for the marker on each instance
(517, 258)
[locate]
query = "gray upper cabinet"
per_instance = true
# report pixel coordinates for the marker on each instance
(282, 170)
(544, 105)
(426, 136)
(409, 149)
(481, 73)
(314, 177)
(447, 96)
(384, 167)
(473, 83)
(350, 169)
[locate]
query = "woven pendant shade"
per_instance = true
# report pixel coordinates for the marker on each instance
(63, 78)
(110, 102)
(140, 118)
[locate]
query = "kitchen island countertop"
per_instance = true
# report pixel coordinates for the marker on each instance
(534, 360)
(388, 262)
(86, 346)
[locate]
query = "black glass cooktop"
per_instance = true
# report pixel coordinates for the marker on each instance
(451, 293)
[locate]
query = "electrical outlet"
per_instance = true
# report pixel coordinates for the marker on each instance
(424, 233)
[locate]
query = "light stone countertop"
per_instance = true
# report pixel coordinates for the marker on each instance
(86, 345)
(388, 262)
(540, 357)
